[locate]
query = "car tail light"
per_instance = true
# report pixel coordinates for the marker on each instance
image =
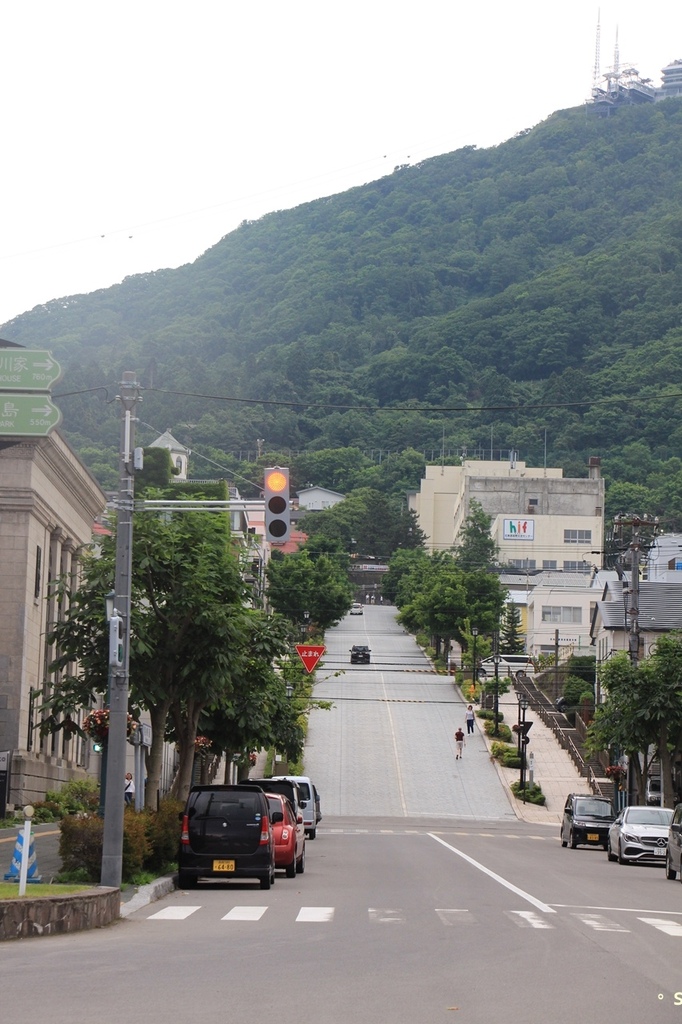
(184, 835)
(265, 831)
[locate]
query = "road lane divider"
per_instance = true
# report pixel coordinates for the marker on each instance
(544, 907)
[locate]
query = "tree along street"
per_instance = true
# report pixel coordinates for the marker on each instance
(407, 910)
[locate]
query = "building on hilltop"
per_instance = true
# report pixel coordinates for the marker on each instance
(540, 520)
(178, 453)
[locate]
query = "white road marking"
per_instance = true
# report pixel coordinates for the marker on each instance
(600, 924)
(315, 914)
(669, 927)
(544, 907)
(245, 914)
(383, 916)
(395, 750)
(527, 919)
(455, 917)
(620, 910)
(173, 913)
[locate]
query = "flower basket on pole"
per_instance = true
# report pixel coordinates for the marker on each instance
(96, 725)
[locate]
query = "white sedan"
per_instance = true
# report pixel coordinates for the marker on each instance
(640, 835)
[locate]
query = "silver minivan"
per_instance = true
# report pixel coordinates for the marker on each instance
(310, 802)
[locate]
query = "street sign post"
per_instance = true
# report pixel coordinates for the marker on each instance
(27, 415)
(28, 370)
(310, 654)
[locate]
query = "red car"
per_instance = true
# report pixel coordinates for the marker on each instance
(289, 835)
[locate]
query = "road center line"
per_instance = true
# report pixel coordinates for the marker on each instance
(395, 749)
(497, 878)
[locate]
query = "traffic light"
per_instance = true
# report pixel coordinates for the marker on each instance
(115, 641)
(276, 495)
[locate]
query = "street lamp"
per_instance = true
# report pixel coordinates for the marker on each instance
(474, 673)
(523, 707)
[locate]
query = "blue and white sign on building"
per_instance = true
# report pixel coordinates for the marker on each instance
(518, 529)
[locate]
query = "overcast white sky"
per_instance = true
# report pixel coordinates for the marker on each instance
(136, 134)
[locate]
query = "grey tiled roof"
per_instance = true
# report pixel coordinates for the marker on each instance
(660, 608)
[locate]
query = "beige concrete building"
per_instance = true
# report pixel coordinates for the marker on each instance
(540, 520)
(48, 502)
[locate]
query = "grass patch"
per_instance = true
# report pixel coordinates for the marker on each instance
(10, 890)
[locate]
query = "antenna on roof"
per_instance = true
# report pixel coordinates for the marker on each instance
(596, 75)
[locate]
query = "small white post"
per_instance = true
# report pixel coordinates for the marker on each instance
(25, 849)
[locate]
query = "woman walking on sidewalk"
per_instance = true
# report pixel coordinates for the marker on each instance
(470, 719)
(459, 743)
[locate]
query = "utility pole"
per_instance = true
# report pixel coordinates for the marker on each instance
(642, 532)
(112, 848)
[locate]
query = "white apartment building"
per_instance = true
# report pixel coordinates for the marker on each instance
(561, 606)
(540, 520)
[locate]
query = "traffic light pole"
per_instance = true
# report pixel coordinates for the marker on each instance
(112, 845)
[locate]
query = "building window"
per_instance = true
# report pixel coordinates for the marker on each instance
(522, 563)
(562, 613)
(549, 563)
(39, 572)
(577, 536)
(577, 566)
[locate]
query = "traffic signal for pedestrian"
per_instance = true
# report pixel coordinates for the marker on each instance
(276, 495)
(115, 641)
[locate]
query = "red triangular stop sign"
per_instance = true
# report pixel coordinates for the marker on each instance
(310, 654)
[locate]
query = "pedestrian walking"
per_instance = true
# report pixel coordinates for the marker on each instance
(470, 719)
(129, 791)
(459, 743)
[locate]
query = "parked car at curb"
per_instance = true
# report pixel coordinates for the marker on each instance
(225, 834)
(310, 802)
(673, 856)
(289, 834)
(359, 654)
(639, 835)
(586, 820)
(653, 790)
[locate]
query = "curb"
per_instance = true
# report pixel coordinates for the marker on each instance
(148, 894)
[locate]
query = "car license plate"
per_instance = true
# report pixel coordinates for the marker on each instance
(659, 852)
(223, 865)
(593, 837)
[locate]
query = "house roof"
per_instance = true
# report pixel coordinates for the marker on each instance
(166, 440)
(660, 607)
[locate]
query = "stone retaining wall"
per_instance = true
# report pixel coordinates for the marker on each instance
(57, 915)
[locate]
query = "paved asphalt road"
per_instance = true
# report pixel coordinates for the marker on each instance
(416, 905)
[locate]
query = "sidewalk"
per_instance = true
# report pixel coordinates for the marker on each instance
(553, 769)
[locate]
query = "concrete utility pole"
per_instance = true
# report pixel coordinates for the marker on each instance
(112, 849)
(642, 532)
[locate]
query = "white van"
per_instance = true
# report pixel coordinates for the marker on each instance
(309, 802)
(510, 665)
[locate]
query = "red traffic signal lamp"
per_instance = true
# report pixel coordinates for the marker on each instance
(276, 497)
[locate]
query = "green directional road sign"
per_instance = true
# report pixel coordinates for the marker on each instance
(27, 415)
(24, 369)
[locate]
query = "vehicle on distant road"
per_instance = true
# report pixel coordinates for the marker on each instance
(508, 665)
(226, 833)
(289, 835)
(356, 608)
(653, 790)
(640, 835)
(586, 820)
(359, 654)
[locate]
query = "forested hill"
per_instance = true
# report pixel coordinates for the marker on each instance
(538, 273)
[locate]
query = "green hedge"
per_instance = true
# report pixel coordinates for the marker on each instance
(534, 794)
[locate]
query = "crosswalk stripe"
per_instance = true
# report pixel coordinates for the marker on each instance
(173, 913)
(382, 916)
(669, 927)
(455, 917)
(528, 919)
(315, 914)
(600, 923)
(245, 914)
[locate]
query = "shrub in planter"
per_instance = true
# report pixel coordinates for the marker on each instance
(488, 713)
(503, 731)
(498, 749)
(533, 794)
(80, 845)
(163, 835)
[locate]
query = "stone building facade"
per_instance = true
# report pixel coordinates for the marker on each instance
(48, 503)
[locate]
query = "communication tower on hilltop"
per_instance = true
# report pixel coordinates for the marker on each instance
(619, 86)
